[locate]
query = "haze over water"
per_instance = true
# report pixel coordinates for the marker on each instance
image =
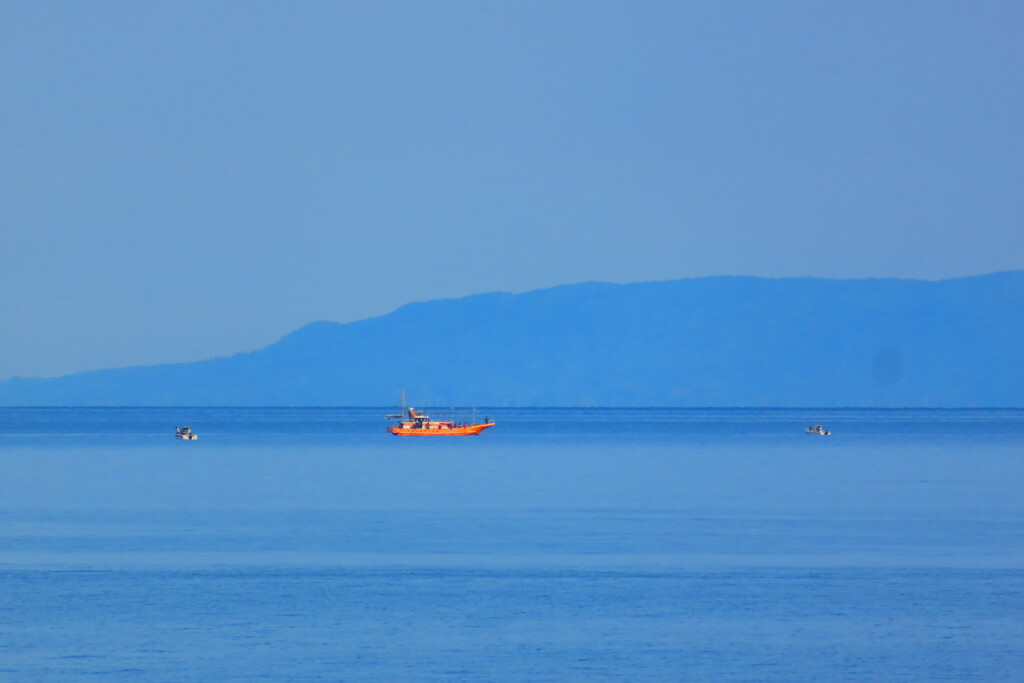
(563, 544)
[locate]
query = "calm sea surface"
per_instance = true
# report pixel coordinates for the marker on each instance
(562, 545)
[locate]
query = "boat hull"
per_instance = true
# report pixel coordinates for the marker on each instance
(468, 430)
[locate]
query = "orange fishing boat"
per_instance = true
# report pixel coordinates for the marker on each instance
(412, 423)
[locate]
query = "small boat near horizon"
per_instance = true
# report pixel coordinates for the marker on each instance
(186, 434)
(817, 430)
(412, 423)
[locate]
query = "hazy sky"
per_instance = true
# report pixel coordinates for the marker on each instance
(181, 180)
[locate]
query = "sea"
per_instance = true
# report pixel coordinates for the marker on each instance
(307, 544)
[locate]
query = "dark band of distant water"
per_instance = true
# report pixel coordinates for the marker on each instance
(563, 544)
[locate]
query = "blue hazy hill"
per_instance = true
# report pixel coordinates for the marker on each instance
(719, 341)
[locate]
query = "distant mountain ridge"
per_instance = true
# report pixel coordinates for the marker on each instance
(717, 341)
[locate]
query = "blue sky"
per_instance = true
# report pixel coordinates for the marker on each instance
(181, 180)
